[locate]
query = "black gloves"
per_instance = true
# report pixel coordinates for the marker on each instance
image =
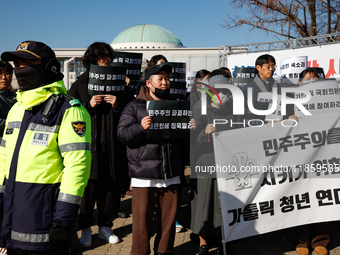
(59, 239)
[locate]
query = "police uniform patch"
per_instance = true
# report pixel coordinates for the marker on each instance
(40, 139)
(79, 127)
(74, 102)
(9, 131)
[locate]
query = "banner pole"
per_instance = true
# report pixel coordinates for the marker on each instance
(223, 241)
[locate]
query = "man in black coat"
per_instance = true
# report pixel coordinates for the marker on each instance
(263, 82)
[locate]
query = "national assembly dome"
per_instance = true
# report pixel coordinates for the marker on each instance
(146, 36)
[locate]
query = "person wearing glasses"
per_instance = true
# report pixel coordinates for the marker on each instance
(7, 96)
(263, 82)
(109, 162)
(45, 157)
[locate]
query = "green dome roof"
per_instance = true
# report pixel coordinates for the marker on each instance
(147, 33)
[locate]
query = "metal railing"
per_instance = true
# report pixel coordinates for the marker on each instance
(312, 41)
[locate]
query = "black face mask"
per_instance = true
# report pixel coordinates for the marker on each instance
(30, 77)
(161, 93)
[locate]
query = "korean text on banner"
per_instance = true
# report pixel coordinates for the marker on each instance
(277, 176)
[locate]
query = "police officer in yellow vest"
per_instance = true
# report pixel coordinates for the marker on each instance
(44, 156)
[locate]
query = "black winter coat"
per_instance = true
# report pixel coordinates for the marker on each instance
(115, 149)
(262, 105)
(203, 144)
(148, 158)
(7, 100)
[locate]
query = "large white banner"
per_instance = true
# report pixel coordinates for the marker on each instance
(326, 56)
(278, 176)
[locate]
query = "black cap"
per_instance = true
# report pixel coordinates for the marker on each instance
(155, 69)
(30, 50)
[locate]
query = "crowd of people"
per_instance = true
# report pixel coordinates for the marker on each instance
(63, 152)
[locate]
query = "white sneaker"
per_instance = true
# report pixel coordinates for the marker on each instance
(178, 227)
(106, 234)
(86, 238)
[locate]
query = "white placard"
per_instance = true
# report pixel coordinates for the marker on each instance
(290, 69)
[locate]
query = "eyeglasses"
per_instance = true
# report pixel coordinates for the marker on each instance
(7, 75)
(268, 66)
(106, 56)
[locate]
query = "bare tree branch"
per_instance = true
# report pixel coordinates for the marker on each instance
(285, 18)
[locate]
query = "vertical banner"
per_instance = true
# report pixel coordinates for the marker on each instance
(106, 80)
(170, 119)
(132, 62)
(243, 75)
(290, 69)
(177, 79)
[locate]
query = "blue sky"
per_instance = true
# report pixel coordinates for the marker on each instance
(77, 24)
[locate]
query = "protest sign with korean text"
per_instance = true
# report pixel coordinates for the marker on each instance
(320, 71)
(170, 119)
(243, 75)
(177, 79)
(132, 62)
(106, 80)
(290, 68)
(325, 97)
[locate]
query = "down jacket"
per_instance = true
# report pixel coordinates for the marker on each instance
(148, 158)
(7, 100)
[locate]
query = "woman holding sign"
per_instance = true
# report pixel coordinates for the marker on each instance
(109, 163)
(205, 212)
